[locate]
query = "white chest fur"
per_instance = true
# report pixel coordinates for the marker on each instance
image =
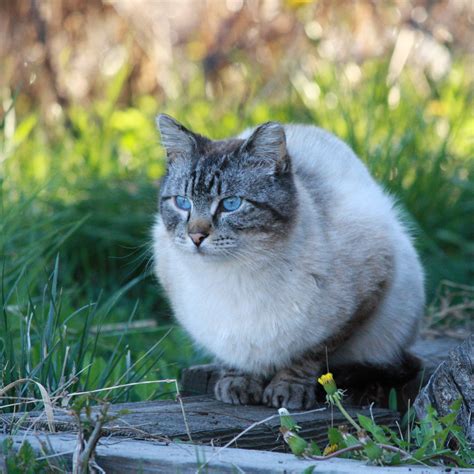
(252, 320)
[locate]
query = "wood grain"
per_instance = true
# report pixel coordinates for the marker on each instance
(210, 421)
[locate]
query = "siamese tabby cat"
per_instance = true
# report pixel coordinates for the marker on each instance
(280, 254)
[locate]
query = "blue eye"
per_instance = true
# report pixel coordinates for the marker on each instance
(231, 203)
(183, 203)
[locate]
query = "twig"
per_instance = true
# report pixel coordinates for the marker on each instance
(180, 400)
(131, 384)
(94, 464)
(54, 455)
(83, 457)
(252, 426)
(358, 447)
(446, 457)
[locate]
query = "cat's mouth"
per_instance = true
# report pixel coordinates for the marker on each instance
(211, 248)
(210, 252)
(205, 251)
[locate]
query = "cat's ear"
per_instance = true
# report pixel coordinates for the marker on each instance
(268, 145)
(176, 139)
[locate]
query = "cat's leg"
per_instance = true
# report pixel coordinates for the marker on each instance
(294, 387)
(238, 388)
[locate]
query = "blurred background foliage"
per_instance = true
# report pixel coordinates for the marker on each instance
(80, 163)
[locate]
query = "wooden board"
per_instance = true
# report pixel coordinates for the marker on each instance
(123, 456)
(209, 421)
(152, 436)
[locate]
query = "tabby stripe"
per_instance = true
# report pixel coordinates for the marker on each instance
(224, 163)
(267, 207)
(216, 184)
(197, 185)
(211, 183)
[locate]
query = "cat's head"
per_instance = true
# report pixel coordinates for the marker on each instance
(232, 198)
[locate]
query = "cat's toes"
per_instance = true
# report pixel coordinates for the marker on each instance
(239, 390)
(294, 396)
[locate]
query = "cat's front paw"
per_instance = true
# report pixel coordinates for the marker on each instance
(293, 395)
(239, 389)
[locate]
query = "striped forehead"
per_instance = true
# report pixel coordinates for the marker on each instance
(206, 172)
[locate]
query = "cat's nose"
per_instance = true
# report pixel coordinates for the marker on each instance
(198, 237)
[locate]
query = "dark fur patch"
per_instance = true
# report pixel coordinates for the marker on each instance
(360, 375)
(367, 383)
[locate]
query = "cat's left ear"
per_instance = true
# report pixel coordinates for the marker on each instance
(176, 139)
(268, 144)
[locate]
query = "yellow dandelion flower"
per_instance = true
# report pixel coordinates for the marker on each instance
(327, 381)
(326, 378)
(334, 397)
(329, 449)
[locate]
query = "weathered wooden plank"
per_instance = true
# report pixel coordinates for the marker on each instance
(122, 456)
(199, 379)
(208, 420)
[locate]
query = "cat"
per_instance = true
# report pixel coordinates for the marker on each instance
(280, 254)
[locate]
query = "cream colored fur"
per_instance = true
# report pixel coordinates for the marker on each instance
(259, 313)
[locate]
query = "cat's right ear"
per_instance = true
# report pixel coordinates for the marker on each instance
(176, 139)
(268, 143)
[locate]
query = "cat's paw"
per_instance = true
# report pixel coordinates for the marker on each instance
(292, 395)
(239, 389)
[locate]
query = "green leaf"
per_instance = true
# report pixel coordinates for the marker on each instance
(454, 409)
(314, 449)
(419, 453)
(392, 400)
(335, 437)
(395, 459)
(373, 451)
(371, 427)
(350, 440)
(296, 443)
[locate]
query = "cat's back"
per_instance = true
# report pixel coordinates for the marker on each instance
(317, 153)
(335, 176)
(321, 159)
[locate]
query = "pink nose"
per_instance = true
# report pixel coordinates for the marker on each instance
(198, 237)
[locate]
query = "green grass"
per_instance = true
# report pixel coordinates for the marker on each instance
(77, 198)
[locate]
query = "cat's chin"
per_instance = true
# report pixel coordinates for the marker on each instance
(205, 253)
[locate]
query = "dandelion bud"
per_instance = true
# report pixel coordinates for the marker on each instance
(327, 381)
(296, 443)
